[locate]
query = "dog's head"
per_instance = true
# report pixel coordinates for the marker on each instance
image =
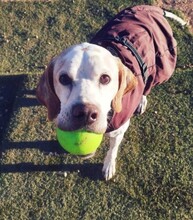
(81, 85)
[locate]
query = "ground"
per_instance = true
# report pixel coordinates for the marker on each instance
(38, 180)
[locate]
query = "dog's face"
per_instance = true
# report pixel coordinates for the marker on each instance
(81, 85)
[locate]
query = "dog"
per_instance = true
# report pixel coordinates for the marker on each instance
(99, 86)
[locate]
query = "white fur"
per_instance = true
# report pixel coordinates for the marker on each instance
(85, 63)
(116, 137)
(142, 105)
(175, 17)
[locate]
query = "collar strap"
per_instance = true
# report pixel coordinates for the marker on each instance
(129, 46)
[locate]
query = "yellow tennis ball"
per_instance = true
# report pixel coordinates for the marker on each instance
(79, 142)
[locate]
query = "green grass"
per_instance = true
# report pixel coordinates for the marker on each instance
(38, 180)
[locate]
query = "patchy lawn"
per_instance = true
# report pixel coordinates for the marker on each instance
(38, 179)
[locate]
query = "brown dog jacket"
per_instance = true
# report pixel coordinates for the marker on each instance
(142, 38)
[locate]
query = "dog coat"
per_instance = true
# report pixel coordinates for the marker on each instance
(142, 38)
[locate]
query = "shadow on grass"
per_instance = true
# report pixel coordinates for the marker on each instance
(89, 170)
(12, 90)
(9, 86)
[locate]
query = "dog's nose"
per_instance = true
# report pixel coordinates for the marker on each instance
(86, 113)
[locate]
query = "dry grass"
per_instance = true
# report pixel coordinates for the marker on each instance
(38, 180)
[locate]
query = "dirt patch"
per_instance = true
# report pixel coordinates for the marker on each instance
(185, 6)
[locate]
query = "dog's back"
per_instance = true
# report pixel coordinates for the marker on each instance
(142, 38)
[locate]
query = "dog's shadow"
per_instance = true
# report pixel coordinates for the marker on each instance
(10, 87)
(85, 169)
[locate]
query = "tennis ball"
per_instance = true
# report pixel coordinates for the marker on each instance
(79, 142)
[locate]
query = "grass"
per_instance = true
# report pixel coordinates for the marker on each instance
(38, 180)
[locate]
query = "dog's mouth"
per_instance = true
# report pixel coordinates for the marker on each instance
(110, 115)
(85, 128)
(75, 125)
(85, 117)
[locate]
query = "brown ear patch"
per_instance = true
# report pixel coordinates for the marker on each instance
(46, 94)
(127, 82)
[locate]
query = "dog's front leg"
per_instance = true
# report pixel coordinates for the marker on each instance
(116, 137)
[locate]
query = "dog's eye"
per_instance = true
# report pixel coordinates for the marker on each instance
(105, 79)
(65, 80)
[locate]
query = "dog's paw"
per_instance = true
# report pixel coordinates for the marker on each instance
(109, 168)
(142, 106)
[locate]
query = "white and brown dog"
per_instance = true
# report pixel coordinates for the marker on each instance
(98, 86)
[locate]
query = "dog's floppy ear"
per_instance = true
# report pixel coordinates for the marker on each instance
(127, 82)
(46, 94)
